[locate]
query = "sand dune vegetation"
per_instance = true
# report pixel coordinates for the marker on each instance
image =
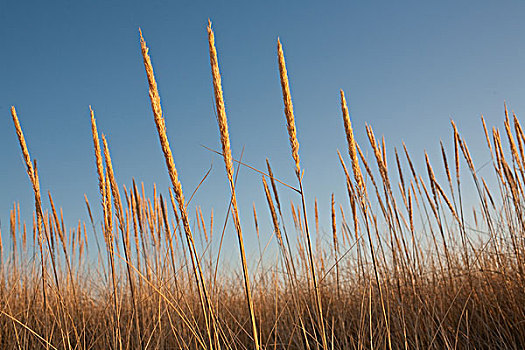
(409, 266)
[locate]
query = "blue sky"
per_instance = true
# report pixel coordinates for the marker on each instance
(407, 67)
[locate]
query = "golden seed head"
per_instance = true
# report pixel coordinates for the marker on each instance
(219, 102)
(288, 108)
(351, 142)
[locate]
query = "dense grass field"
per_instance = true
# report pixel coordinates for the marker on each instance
(409, 266)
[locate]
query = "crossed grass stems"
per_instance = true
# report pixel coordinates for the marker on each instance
(381, 287)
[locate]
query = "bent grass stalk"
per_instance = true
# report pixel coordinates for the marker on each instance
(36, 189)
(177, 188)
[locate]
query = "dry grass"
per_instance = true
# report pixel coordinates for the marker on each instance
(227, 155)
(408, 267)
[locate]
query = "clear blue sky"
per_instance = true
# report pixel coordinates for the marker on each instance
(407, 67)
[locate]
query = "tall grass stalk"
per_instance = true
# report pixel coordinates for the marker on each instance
(226, 152)
(294, 144)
